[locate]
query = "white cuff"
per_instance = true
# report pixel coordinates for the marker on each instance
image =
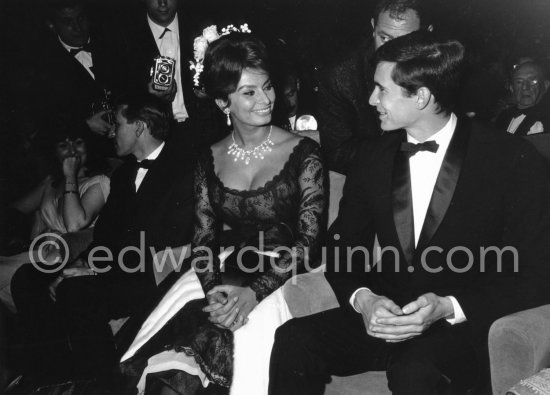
(458, 312)
(352, 299)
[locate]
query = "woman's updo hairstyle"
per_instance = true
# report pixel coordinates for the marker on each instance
(225, 60)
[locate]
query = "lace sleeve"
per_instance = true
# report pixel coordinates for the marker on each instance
(305, 248)
(205, 234)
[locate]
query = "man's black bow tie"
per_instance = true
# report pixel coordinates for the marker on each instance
(146, 163)
(86, 48)
(412, 148)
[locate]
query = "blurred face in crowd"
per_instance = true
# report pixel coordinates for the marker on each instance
(71, 147)
(396, 110)
(528, 85)
(125, 134)
(72, 26)
(387, 28)
(290, 98)
(252, 103)
(162, 12)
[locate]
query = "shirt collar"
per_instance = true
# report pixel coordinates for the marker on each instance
(157, 30)
(154, 155)
(68, 47)
(443, 136)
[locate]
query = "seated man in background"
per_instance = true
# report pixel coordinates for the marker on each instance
(149, 209)
(531, 112)
(344, 115)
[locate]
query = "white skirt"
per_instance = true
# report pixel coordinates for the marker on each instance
(252, 342)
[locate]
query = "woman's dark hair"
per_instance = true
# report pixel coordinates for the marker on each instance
(423, 60)
(225, 60)
(61, 131)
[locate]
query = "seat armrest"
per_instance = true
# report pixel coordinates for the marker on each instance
(309, 293)
(519, 346)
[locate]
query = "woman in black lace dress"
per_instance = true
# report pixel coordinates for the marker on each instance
(259, 190)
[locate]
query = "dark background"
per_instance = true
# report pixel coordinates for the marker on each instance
(318, 32)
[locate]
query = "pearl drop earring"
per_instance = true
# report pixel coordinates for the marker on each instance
(227, 112)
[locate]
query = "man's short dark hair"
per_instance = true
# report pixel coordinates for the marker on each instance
(55, 6)
(156, 113)
(422, 60)
(396, 8)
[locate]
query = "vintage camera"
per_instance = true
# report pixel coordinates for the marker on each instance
(163, 73)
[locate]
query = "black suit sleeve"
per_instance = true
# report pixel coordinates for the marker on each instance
(353, 229)
(521, 281)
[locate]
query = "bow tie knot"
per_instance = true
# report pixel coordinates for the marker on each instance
(146, 163)
(86, 48)
(412, 148)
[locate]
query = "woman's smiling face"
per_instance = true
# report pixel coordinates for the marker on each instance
(71, 147)
(252, 102)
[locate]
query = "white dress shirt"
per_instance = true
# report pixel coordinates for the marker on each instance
(84, 57)
(169, 45)
(424, 169)
(143, 172)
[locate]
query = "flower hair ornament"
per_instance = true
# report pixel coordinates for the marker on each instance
(209, 35)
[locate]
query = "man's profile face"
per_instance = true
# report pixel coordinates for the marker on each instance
(290, 96)
(388, 28)
(126, 140)
(396, 110)
(528, 86)
(72, 26)
(162, 12)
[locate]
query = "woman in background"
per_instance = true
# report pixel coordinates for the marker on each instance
(69, 199)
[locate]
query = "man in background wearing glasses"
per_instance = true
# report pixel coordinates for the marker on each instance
(531, 113)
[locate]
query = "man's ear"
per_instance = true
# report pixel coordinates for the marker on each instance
(222, 104)
(423, 97)
(545, 86)
(372, 23)
(140, 128)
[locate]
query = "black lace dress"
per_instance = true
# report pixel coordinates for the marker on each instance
(285, 216)
(286, 212)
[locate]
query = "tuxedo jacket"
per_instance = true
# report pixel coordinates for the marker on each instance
(539, 113)
(135, 50)
(344, 114)
(64, 91)
(161, 210)
(492, 191)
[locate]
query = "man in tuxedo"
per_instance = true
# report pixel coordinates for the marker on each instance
(71, 78)
(345, 117)
(150, 208)
(531, 113)
(461, 213)
(164, 28)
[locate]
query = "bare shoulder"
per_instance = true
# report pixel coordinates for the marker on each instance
(284, 138)
(221, 146)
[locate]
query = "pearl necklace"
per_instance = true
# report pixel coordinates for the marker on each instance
(256, 152)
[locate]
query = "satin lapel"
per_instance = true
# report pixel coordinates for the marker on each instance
(154, 182)
(446, 182)
(402, 203)
(74, 64)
